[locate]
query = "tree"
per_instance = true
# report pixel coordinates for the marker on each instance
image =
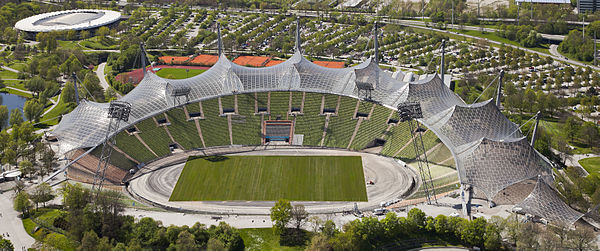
(16, 117)
(528, 237)
(26, 168)
(416, 219)
(35, 85)
(22, 202)
(281, 214)
(33, 109)
(590, 133)
(299, 215)
(319, 242)
(582, 238)
(84, 34)
(89, 241)
(47, 160)
(6, 244)
(3, 116)
(186, 242)
(474, 231)
(42, 194)
(571, 127)
(214, 244)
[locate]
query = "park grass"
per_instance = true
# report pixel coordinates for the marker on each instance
(263, 239)
(4, 74)
(54, 239)
(69, 45)
(270, 178)
(52, 117)
(544, 48)
(592, 165)
(178, 73)
(16, 92)
(99, 44)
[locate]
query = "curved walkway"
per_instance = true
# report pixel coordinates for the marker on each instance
(155, 182)
(12, 225)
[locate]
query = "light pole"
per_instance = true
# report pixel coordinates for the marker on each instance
(187, 71)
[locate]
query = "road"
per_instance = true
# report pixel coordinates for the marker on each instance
(12, 224)
(100, 75)
(554, 50)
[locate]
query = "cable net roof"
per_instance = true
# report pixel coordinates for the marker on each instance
(545, 202)
(490, 151)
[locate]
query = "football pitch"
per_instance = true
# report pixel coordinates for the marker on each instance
(270, 178)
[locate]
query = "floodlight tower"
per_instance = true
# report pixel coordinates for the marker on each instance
(409, 111)
(117, 111)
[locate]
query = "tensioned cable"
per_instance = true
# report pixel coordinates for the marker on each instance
(488, 86)
(520, 127)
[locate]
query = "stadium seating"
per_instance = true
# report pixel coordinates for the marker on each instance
(341, 127)
(215, 129)
(246, 127)
(183, 131)
(132, 146)
(89, 164)
(117, 159)
(372, 128)
(154, 136)
(228, 104)
(280, 103)
(311, 123)
(296, 101)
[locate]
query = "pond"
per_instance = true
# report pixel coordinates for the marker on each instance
(12, 101)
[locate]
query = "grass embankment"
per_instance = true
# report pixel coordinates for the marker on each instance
(270, 178)
(592, 165)
(263, 239)
(46, 217)
(178, 73)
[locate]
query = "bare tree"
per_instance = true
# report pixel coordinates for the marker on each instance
(299, 215)
(583, 238)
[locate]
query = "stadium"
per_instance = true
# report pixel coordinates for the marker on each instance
(188, 145)
(67, 20)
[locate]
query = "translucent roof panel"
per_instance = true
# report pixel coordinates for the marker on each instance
(545, 202)
(494, 165)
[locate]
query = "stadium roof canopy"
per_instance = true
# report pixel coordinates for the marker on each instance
(545, 1)
(68, 20)
(490, 152)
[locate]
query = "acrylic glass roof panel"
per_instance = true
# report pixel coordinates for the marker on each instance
(494, 165)
(433, 95)
(85, 126)
(463, 124)
(545, 202)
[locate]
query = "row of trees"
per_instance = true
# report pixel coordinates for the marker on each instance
(102, 226)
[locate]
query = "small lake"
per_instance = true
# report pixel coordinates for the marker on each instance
(12, 101)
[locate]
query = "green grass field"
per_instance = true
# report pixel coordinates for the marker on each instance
(177, 73)
(270, 178)
(592, 165)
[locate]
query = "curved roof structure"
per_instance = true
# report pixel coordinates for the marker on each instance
(490, 151)
(545, 202)
(68, 20)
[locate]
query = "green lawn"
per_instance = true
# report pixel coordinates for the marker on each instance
(270, 178)
(263, 239)
(4, 74)
(592, 165)
(178, 73)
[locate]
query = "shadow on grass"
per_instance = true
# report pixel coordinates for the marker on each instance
(215, 158)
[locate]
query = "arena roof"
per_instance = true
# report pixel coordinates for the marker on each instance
(68, 20)
(490, 152)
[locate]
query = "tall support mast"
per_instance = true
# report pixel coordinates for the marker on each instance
(143, 58)
(76, 88)
(410, 111)
(443, 59)
(219, 39)
(499, 95)
(535, 129)
(117, 111)
(298, 38)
